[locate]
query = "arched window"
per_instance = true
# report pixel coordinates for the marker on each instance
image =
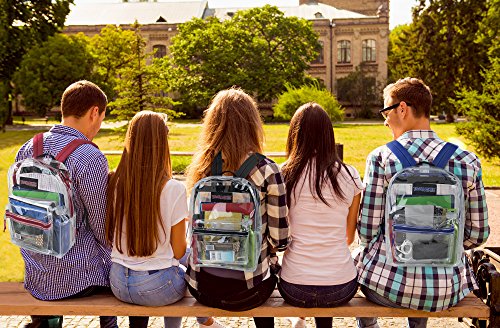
(343, 51)
(369, 51)
(320, 58)
(160, 50)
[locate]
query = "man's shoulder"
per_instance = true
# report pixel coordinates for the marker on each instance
(466, 157)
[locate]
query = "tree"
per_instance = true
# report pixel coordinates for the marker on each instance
(259, 49)
(22, 25)
(483, 128)
(440, 47)
(293, 98)
(359, 89)
(113, 49)
(399, 60)
(140, 86)
(47, 70)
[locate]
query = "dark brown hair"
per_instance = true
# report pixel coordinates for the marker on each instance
(80, 96)
(134, 189)
(311, 141)
(414, 92)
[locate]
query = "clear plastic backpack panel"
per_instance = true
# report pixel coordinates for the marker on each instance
(424, 218)
(225, 223)
(40, 212)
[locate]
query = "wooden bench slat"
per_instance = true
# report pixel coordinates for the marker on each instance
(14, 300)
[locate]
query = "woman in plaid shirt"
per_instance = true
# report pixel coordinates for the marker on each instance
(232, 125)
(429, 288)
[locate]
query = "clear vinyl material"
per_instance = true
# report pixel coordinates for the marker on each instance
(424, 218)
(40, 212)
(225, 225)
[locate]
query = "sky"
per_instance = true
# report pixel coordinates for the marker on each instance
(400, 10)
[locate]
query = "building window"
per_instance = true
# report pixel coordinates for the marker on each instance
(320, 58)
(369, 51)
(160, 50)
(343, 51)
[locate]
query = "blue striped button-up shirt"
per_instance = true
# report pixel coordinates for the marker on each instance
(88, 262)
(421, 288)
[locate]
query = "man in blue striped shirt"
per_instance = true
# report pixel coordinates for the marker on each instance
(407, 113)
(85, 268)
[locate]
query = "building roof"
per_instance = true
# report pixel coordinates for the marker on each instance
(309, 11)
(173, 12)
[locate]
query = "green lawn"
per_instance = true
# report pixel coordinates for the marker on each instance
(358, 141)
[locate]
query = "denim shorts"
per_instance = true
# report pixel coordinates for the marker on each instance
(150, 288)
(317, 296)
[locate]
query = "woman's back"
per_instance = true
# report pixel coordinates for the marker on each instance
(319, 232)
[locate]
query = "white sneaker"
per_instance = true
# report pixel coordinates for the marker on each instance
(297, 322)
(216, 324)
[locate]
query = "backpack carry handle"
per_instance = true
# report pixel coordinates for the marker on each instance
(244, 169)
(64, 153)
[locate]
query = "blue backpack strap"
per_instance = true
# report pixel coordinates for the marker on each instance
(402, 154)
(444, 155)
(248, 165)
(217, 165)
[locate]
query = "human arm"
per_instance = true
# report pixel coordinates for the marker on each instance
(476, 228)
(178, 239)
(352, 217)
(373, 200)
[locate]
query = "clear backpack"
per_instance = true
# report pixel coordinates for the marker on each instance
(424, 213)
(225, 225)
(40, 212)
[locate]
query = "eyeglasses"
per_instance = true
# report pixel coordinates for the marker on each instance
(384, 111)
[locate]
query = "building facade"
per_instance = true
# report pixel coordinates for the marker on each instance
(351, 32)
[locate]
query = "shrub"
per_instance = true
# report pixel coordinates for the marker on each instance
(293, 98)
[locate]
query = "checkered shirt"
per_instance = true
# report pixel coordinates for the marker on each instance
(88, 262)
(266, 176)
(421, 288)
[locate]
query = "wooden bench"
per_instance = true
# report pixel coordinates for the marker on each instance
(15, 300)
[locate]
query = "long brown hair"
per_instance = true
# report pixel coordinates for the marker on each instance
(134, 189)
(232, 125)
(311, 138)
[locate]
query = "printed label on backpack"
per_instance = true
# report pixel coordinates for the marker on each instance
(226, 197)
(29, 183)
(424, 189)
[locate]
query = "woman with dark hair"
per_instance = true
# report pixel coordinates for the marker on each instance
(323, 195)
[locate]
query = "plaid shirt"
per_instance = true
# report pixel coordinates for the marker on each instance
(421, 288)
(88, 262)
(266, 176)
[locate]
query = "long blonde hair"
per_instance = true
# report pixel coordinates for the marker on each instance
(134, 189)
(232, 125)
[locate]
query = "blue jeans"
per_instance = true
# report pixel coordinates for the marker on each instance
(378, 299)
(150, 288)
(308, 296)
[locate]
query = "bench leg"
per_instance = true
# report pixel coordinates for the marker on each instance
(488, 279)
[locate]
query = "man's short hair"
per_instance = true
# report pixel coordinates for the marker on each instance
(80, 96)
(412, 91)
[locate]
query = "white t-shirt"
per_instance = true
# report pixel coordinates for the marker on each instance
(173, 209)
(318, 254)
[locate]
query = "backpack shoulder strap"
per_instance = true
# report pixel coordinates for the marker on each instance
(401, 153)
(69, 148)
(38, 145)
(444, 155)
(217, 165)
(248, 165)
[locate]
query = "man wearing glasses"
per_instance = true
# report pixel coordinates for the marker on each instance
(407, 113)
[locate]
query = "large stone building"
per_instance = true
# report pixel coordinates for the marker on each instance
(350, 31)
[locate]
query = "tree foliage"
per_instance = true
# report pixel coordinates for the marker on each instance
(113, 49)
(22, 25)
(259, 49)
(359, 88)
(47, 70)
(294, 97)
(140, 86)
(440, 47)
(482, 108)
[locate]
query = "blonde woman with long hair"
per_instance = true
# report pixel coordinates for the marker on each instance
(232, 126)
(145, 220)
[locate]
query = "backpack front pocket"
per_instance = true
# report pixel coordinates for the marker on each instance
(30, 233)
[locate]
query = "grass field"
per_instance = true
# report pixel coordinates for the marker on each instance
(358, 141)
